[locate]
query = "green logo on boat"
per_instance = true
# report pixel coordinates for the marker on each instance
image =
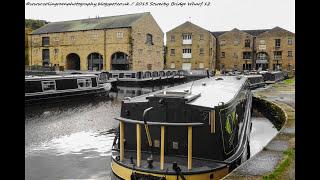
(231, 122)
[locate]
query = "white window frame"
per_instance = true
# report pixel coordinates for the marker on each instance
(119, 34)
(50, 82)
(187, 36)
(188, 51)
(290, 40)
(262, 42)
(85, 80)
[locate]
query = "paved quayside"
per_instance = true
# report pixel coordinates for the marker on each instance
(276, 160)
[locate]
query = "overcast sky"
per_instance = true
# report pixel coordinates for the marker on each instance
(220, 15)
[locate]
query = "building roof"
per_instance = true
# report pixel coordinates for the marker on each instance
(109, 22)
(255, 32)
(187, 23)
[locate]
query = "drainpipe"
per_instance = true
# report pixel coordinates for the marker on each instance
(105, 57)
(253, 53)
(30, 54)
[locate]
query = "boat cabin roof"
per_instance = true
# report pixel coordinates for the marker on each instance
(212, 91)
(59, 76)
(253, 75)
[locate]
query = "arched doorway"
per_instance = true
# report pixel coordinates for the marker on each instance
(73, 62)
(119, 61)
(262, 61)
(95, 62)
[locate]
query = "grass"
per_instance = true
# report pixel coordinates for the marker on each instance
(281, 168)
(289, 81)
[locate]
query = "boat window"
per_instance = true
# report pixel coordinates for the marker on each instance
(84, 83)
(48, 85)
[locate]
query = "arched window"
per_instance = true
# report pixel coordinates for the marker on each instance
(149, 40)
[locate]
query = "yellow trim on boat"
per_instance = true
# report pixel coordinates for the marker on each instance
(125, 173)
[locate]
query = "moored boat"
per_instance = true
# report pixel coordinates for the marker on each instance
(255, 80)
(273, 76)
(43, 88)
(197, 130)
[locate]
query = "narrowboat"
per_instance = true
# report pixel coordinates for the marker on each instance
(198, 130)
(273, 77)
(132, 78)
(255, 81)
(43, 88)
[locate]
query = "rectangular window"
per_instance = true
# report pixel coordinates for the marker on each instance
(94, 36)
(172, 52)
(222, 42)
(48, 85)
(72, 38)
(186, 53)
(172, 65)
(201, 51)
(186, 36)
(223, 54)
(140, 51)
(172, 38)
(56, 51)
(247, 43)
(277, 43)
(235, 55)
(289, 53)
(289, 41)
(201, 37)
(56, 39)
(262, 41)
(277, 55)
(149, 40)
(236, 42)
(119, 34)
(84, 83)
(186, 50)
(246, 55)
(201, 65)
(45, 54)
(45, 41)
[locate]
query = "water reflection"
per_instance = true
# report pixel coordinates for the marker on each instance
(76, 143)
(262, 132)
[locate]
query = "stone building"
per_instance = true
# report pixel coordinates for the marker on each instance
(189, 46)
(275, 49)
(125, 42)
(254, 49)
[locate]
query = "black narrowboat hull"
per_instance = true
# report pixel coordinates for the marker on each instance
(62, 96)
(273, 77)
(39, 89)
(194, 136)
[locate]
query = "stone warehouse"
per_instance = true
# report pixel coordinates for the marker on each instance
(253, 49)
(125, 42)
(190, 47)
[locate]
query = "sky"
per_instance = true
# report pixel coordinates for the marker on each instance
(219, 15)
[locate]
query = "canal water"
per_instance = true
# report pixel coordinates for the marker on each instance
(72, 140)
